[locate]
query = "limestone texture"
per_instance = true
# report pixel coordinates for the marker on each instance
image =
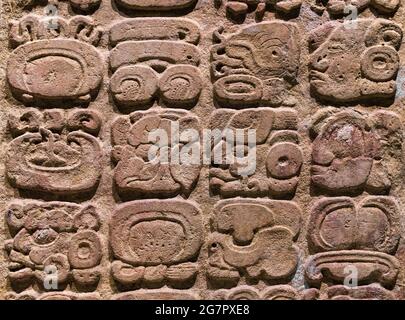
(300, 197)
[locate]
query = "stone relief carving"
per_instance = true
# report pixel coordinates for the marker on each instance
(156, 242)
(355, 60)
(50, 66)
(138, 175)
(256, 66)
(344, 233)
(54, 151)
(81, 6)
(32, 295)
(157, 5)
(339, 7)
(254, 238)
(87, 81)
(280, 292)
(368, 292)
(53, 234)
(278, 155)
(157, 294)
(85, 5)
(150, 64)
(237, 10)
(348, 142)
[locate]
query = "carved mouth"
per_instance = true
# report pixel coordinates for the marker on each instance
(317, 77)
(317, 170)
(15, 266)
(19, 261)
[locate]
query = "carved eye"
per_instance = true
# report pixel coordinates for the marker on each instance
(336, 47)
(84, 250)
(45, 236)
(88, 121)
(275, 52)
(214, 246)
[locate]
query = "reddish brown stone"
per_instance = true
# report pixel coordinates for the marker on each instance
(309, 209)
(57, 234)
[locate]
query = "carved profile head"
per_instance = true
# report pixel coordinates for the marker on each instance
(256, 64)
(352, 152)
(355, 60)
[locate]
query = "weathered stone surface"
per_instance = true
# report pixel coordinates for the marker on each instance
(257, 65)
(282, 123)
(280, 292)
(344, 234)
(166, 294)
(54, 66)
(278, 157)
(253, 236)
(237, 10)
(348, 142)
(355, 60)
(150, 64)
(57, 234)
(156, 5)
(156, 242)
(339, 8)
(55, 151)
(138, 175)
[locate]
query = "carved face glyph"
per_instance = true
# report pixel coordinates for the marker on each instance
(355, 60)
(256, 64)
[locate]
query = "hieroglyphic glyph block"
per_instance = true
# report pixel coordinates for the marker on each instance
(202, 149)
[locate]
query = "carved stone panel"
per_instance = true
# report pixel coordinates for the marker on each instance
(355, 61)
(368, 292)
(256, 66)
(157, 294)
(60, 296)
(353, 152)
(271, 168)
(54, 151)
(142, 173)
(155, 64)
(202, 150)
(54, 66)
(340, 8)
(156, 5)
(255, 239)
(156, 242)
(238, 10)
(280, 292)
(47, 235)
(364, 235)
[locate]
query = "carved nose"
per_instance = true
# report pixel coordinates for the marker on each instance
(320, 62)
